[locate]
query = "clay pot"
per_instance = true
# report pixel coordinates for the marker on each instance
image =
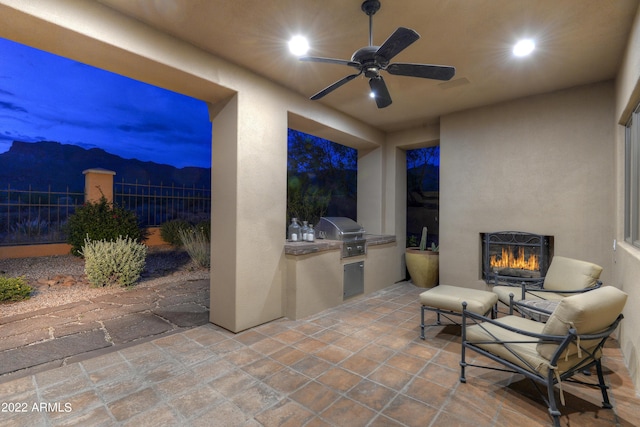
(423, 267)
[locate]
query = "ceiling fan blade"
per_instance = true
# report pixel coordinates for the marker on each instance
(436, 72)
(334, 86)
(396, 43)
(380, 91)
(329, 61)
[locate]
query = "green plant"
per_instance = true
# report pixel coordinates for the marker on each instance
(205, 226)
(411, 243)
(109, 263)
(197, 245)
(14, 289)
(423, 239)
(170, 231)
(102, 221)
(305, 201)
(34, 227)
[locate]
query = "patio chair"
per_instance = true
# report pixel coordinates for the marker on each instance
(565, 277)
(548, 353)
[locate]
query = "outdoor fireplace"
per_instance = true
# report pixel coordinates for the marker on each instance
(515, 256)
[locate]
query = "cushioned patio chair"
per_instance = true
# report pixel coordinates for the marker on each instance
(565, 277)
(548, 353)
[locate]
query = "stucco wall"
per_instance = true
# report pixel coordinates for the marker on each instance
(542, 164)
(250, 117)
(626, 265)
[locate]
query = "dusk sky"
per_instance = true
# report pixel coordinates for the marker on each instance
(44, 97)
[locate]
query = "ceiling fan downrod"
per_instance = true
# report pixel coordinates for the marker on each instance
(370, 7)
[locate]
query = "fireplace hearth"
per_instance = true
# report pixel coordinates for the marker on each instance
(515, 256)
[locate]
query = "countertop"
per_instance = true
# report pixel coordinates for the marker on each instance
(320, 245)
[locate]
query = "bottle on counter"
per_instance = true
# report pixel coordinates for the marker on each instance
(304, 230)
(311, 234)
(294, 231)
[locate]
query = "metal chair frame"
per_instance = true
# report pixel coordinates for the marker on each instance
(590, 358)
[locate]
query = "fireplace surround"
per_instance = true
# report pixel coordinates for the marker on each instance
(515, 256)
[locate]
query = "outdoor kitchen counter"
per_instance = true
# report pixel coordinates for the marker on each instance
(315, 272)
(320, 245)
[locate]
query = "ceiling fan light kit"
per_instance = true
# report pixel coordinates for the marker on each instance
(371, 60)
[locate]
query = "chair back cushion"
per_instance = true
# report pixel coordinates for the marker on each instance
(588, 312)
(567, 274)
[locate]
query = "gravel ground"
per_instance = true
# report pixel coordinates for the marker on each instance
(58, 280)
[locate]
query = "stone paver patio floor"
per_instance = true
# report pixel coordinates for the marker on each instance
(51, 337)
(359, 364)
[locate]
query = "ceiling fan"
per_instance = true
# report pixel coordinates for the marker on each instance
(370, 60)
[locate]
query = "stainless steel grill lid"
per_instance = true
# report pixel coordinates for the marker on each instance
(339, 228)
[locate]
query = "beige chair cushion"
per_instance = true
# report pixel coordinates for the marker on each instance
(529, 358)
(588, 312)
(564, 274)
(567, 274)
(489, 332)
(504, 291)
(450, 298)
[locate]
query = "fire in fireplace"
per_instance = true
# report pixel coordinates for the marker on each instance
(515, 260)
(515, 256)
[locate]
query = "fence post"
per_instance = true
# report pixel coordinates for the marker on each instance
(98, 182)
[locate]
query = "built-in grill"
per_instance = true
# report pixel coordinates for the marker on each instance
(346, 230)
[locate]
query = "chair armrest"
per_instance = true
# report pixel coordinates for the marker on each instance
(523, 284)
(570, 292)
(477, 318)
(534, 283)
(523, 336)
(602, 336)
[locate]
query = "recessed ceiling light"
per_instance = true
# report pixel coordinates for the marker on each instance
(298, 45)
(524, 47)
(372, 94)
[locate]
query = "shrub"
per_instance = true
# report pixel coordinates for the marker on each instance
(169, 231)
(102, 221)
(14, 289)
(205, 226)
(109, 263)
(196, 243)
(34, 227)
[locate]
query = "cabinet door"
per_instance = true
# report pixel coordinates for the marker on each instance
(353, 279)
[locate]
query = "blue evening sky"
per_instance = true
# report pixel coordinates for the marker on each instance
(44, 97)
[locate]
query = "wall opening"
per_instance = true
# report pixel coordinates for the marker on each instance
(321, 178)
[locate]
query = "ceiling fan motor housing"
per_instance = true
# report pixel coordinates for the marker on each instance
(370, 7)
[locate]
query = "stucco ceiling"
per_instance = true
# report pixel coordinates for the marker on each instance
(578, 42)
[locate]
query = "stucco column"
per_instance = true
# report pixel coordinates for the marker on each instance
(248, 214)
(382, 201)
(370, 189)
(98, 183)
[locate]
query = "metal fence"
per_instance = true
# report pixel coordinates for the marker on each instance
(34, 216)
(156, 204)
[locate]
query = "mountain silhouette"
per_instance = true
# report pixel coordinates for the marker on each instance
(48, 164)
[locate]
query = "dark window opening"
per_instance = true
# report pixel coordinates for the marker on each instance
(423, 194)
